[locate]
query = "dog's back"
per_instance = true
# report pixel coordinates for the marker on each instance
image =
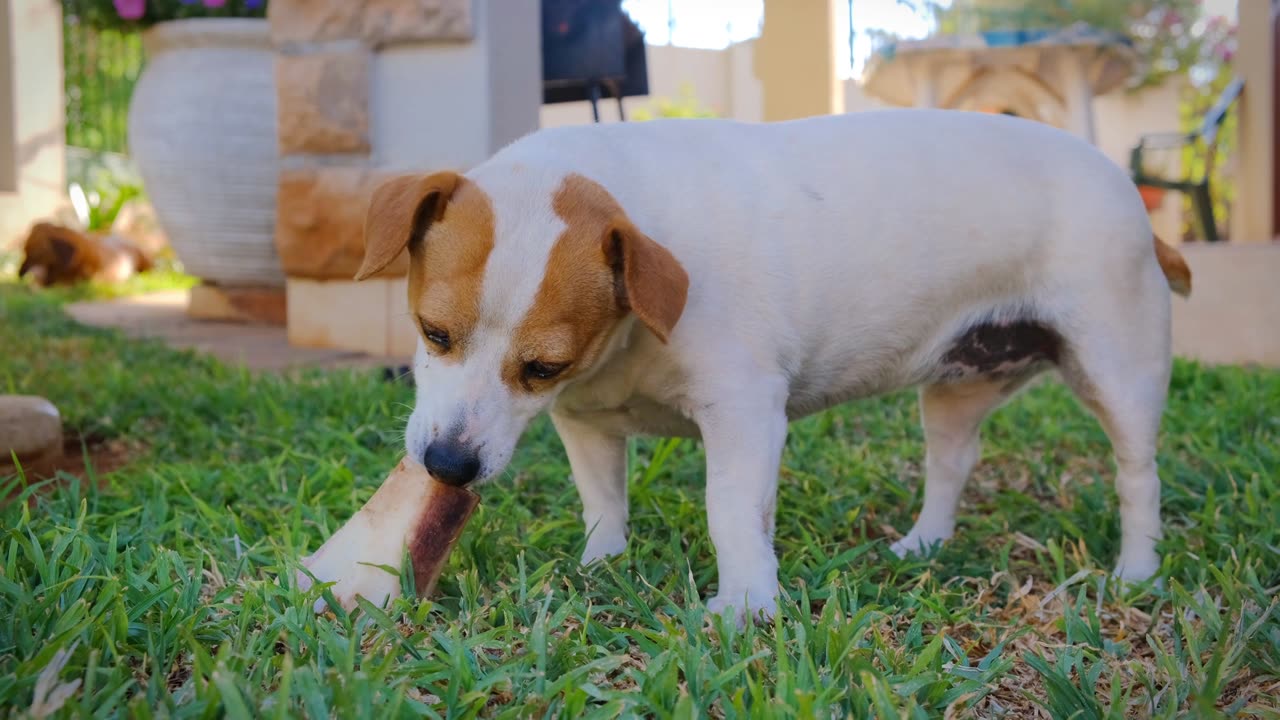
(876, 219)
(918, 188)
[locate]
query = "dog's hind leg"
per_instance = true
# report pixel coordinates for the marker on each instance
(951, 415)
(1117, 361)
(1124, 381)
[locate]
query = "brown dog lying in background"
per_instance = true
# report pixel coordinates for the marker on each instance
(58, 255)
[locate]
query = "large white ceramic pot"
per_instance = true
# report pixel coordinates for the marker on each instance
(202, 132)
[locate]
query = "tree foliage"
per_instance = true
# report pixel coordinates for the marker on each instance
(1170, 36)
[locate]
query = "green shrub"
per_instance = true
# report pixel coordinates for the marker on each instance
(137, 14)
(685, 105)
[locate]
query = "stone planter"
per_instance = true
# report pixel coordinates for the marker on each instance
(202, 131)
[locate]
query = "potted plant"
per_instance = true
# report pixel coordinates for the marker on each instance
(202, 131)
(1152, 197)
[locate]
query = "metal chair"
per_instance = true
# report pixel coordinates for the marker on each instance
(1205, 139)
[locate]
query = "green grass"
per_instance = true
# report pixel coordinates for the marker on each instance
(155, 594)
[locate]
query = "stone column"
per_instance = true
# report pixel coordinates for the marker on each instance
(925, 74)
(33, 181)
(1077, 94)
(1251, 217)
(796, 59)
(370, 89)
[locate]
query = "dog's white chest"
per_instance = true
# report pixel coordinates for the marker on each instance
(634, 415)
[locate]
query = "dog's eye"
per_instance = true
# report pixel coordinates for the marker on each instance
(543, 371)
(438, 337)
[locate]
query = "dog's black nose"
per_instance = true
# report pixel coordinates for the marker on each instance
(451, 462)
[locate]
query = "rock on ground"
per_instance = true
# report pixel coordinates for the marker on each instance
(31, 428)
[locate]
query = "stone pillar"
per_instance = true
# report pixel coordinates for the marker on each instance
(1077, 94)
(32, 122)
(1251, 218)
(796, 59)
(925, 74)
(369, 89)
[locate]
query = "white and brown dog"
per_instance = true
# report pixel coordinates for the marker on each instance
(716, 279)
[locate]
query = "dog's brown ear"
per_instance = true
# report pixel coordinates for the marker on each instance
(63, 249)
(647, 278)
(400, 212)
(142, 261)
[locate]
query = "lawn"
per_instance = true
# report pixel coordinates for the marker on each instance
(151, 590)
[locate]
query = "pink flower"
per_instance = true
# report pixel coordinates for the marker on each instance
(131, 9)
(215, 3)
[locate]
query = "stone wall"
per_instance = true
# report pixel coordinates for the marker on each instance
(368, 89)
(326, 53)
(32, 137)
(1253, 216)
(1230, 317)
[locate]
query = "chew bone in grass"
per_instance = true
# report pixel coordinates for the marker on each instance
(410, 511)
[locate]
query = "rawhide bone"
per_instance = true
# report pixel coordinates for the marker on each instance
(411, 510)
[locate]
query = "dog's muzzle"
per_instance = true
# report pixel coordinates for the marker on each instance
(451, 461)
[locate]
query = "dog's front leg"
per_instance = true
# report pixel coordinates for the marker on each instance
(744, 450)
(598, 461)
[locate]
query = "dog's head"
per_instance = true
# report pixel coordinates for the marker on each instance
(514, 293)
(55, 255)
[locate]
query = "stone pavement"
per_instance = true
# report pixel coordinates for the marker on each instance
(259, 347)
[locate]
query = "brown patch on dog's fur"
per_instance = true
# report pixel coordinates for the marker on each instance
(600, 268)
(1001, 350)
(575, 308)
(1174, 267)
(58, 255)
(400, 211)
(446, 271)
(447, 223)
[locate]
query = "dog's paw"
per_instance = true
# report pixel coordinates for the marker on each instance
(1137, 570)
(759, 605)
(917, 544)
(603, 546)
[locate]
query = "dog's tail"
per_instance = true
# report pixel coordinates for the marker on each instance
(1174, 267)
